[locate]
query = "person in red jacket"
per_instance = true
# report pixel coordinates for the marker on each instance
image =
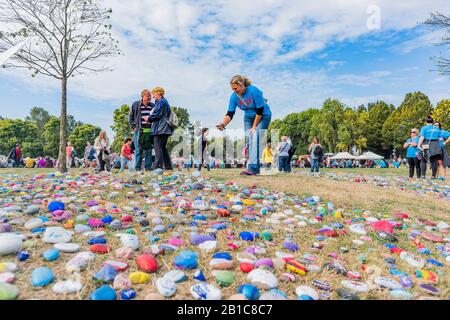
(126, 157)
(16, 155)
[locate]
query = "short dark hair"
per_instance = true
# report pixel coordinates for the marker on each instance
(204, 130)
(429, 119)
(127, 139)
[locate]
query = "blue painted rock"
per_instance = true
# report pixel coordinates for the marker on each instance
(55, 205)
(204, 291)
(249, 291)
(128, 294)
(198, 239)
(41, 277)
(106, 274)
(104, 293)
(186, 260)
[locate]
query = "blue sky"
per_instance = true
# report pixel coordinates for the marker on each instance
(299, 53)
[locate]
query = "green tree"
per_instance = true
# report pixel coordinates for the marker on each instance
(39, 116)
(21, 132)
(442, 113)
(325, 124)
(414, 108)
(183, 116)
(120, 126)
(51, 137)
(81, 135)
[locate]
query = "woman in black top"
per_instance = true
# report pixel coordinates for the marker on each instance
(203, 144)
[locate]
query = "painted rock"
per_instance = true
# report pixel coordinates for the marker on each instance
(176, 276)
(147, 263)
(221, 264)
(104, 293)
(199, 276)
(67, 247)
(106, 274)
(31, 210)
(57, 235)
(99, 248)
(249, 291)
(10, 243)
(208, 246)
(7, 277)
(8, 291)
(204, 291)
(431, 236)
(246, 267)
(262, 279)
(139, 277)
(8, 267)
(354, 286)
(385, 236)
(345, 294)
(121, 282)
(80, 262)
(306, 292)
(41, 277)
(224, 278)
(55, 205)
(51, 254)
(128, 294)
(33, 224)
(273, 294)
(67, 287)
(166, 286)
(322, 285)
(296, 267)
(186, 260)
(198, 239)
(429, 289)
(401, 294)
(118, 265)
(388, 283)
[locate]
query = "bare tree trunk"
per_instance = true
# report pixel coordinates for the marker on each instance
(62, 127)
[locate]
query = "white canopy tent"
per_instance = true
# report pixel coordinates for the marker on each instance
(343, 156)
(370, 156)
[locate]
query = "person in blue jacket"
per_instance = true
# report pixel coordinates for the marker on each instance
(429, 144)
(257, 117)
(443, 141)
(161, 130)
(411, 153)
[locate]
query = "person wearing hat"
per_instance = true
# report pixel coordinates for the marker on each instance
(429, 144)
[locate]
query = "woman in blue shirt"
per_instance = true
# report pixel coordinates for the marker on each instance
(445, 162)
(257, 117)
(411, 153)
(429, 144)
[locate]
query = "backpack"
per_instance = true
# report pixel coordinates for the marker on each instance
(173, 121)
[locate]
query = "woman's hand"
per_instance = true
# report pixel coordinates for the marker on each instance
(220, 126)
(252, 131)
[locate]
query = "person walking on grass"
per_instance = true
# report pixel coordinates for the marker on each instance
(443, 141)
(315, 148)
(411, 154)
(102, 147)
(257, 117)
(283, 155)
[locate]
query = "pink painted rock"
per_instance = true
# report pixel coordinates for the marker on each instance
(175, 242)
(431, 237)
(95, 223)
(122, 282)
(124, 253)
(147, 263)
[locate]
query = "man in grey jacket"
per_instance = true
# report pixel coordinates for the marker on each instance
(138, 120)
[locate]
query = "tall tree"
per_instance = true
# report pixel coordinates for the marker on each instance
(441, 21)
(414, 108)
(442, 113)
(120, 126)
(22, 132)
(325, 124)
(66, 38)
(39, 116)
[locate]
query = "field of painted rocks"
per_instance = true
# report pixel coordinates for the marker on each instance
(188, 236)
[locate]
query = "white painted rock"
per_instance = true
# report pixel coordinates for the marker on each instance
(307, 291)
(412, 260)
(94, 234)
(8, 267)
(354, 286)
(200, 205)
(80, 261)
(262, 279)
(57, 235)
(10, 243)
(67, 247)
(129, 241)
(7, 277)
(208, 246)
(33, 224)
(176, 276)
(166, 286)
(66, 287)
(358, 229)
(385, 282)
(205, 291)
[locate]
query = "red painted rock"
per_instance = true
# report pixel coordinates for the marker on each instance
(401, 215)
(223, 213)
(246, 267)
(147, 263)
(431, 237)
(427, 222)
(384, 226)
(99, 248)
(127, 219)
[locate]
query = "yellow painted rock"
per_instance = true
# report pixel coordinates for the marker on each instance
(139, 277)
